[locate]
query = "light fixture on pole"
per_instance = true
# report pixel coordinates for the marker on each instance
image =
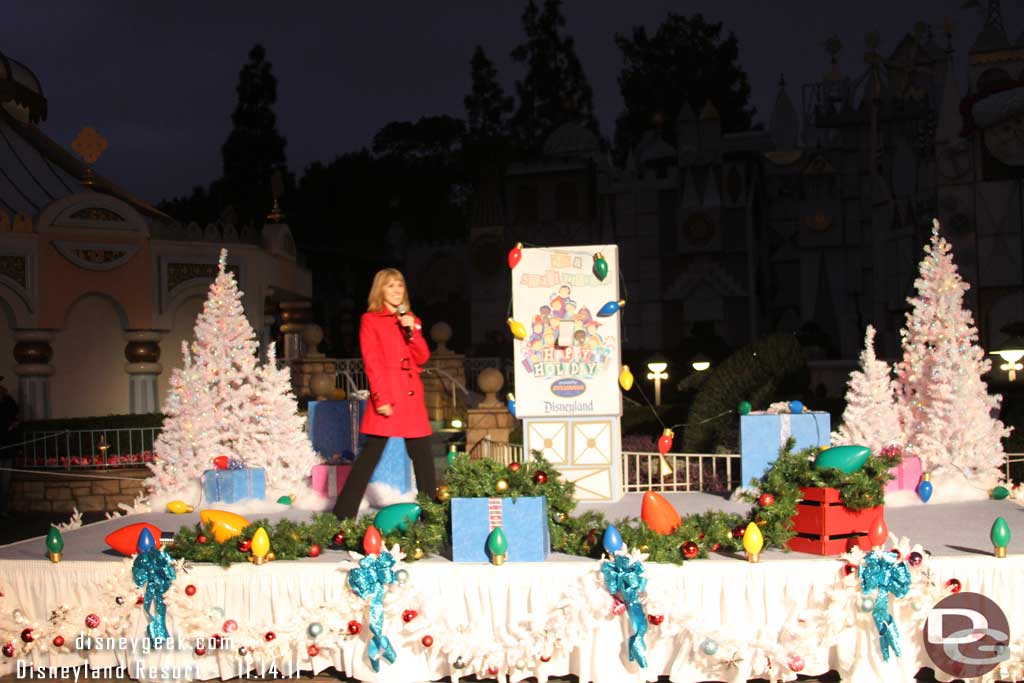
(657, 373)
(700, 363)
(1012, 352)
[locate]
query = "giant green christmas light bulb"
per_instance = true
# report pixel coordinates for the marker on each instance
(497, 545)
(1000, 536)
(54, 544)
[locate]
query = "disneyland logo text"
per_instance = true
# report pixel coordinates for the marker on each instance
(568, 407)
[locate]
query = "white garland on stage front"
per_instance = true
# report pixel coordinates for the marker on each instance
(839, 628)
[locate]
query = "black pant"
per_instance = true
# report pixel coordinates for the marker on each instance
(351, 494)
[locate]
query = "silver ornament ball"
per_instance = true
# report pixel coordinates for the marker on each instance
(709, 647)
(867, 604)
(315, 629)
(402, 576)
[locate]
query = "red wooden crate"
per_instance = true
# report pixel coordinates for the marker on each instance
(824, 526)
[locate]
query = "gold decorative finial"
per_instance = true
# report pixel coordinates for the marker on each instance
(89, 145)
(276, 215)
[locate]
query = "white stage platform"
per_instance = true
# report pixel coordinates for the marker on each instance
(515, 621)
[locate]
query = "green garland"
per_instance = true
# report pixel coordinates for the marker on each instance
(573, 535)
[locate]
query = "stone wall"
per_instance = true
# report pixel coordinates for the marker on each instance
(55, 491)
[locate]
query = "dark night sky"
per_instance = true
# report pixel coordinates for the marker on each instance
(158, 79)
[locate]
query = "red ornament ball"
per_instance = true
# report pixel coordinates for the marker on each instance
(215, 640)
(138, 600)
(915, 559)
(514, 467)
(190, 590)
(8, 649)
(58, 641)
(765, 500)
(592, 536)
(314, 550)
(26, 635)
(849, 569)
(92, 621)
(954, 585)
(201, 539)
(690, 550)
(200, 649)
(738, 531)
(313, 650)
(540, 477)
(656, 619)
(269, 636)
(339, 539)
(715, 547)
(796, 663)
(427, 641)
(245, 545)
(229, 626)
(354, 627)
(897, 554)
(545, 658)
(408, 615)
(492, 671)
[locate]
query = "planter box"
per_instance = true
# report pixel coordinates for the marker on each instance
(825, 526)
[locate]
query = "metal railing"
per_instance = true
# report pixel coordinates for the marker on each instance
(89, 448)
(719, 472)
(505, 453)
(350, 373)
(1012, 458)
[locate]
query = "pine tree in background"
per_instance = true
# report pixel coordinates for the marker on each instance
(555, 89)
(254, 149)
(222, 403)
(276, 439)
(945, 406)
(487, 106)
(871, 418)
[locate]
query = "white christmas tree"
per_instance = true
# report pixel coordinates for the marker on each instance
(221, 403)
(871, 418)
(947, 412)
(277, 433)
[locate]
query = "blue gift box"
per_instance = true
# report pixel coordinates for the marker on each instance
(763, 434)
(229, 486)
(523, 520)
(394, 468)
(334, 428)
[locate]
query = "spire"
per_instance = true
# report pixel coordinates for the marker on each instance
(784, 125)
(993, 33)
(949, 124)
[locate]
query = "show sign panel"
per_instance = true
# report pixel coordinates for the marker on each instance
(567, 366)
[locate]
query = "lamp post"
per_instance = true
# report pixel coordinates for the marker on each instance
(657, 373)
(1012, 352)
(700, 363)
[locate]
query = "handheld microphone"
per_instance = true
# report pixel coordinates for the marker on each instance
(402, 310)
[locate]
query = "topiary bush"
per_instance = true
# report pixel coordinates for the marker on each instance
(770, 369)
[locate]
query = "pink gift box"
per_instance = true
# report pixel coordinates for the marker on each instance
(328, 480)
(907, 473)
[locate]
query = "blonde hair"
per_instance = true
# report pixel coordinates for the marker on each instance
(375, 301)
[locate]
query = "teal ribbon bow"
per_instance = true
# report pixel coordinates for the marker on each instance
(882, 574)
(368, 580)
(627, 580)
(154, 569)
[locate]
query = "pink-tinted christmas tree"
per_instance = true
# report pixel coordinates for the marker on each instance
(871, 418)
(947, 412)
(222, 403)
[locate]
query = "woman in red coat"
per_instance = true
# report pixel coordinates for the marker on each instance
(394, 353)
